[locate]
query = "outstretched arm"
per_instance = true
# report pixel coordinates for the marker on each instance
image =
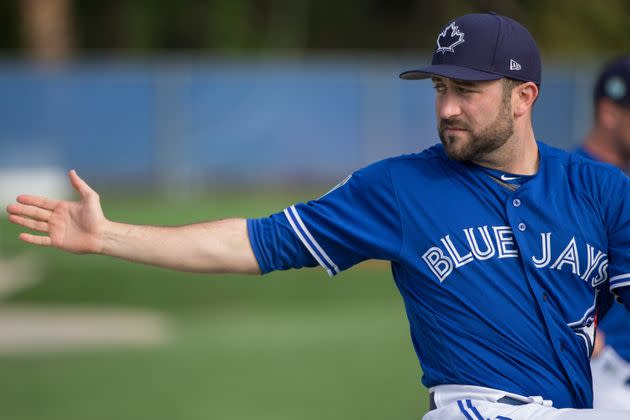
(80, 227)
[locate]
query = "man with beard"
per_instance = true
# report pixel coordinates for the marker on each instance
(503, 248)
(609, 141)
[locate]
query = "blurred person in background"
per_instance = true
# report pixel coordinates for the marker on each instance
(609, 141)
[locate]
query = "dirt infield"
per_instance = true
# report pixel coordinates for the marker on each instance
(39, 329)
(57, 328)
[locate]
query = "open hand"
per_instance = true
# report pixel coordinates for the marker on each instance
(74, 226)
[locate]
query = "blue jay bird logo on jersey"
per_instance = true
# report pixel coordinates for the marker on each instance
(449, 38)
(585, 327)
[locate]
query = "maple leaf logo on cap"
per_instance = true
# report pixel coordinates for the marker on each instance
(449, 38)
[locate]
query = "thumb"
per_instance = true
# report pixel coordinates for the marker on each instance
(80, 185)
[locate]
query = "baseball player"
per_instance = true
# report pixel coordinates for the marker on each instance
(506, 251)
(609, 141)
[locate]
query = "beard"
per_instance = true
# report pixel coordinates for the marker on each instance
(471, 145)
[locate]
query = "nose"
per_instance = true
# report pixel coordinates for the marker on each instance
(447, 106)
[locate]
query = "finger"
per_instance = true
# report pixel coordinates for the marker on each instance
(33, 200)
(29, 223)
(80, 185)
(33, 212)
(35, 239)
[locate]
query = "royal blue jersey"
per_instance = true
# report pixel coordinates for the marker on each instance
(502, 276)
(616, 324)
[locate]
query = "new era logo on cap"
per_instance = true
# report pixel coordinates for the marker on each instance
(483, 46)
(514, 65)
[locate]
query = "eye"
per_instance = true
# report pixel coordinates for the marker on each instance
(439, 88)
(463, 89)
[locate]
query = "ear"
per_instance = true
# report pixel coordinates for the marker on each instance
(523, 98)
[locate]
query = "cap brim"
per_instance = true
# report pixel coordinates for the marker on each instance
(450, 71)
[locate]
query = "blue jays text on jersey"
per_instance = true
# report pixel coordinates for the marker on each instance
(501, 244)
(502, 282)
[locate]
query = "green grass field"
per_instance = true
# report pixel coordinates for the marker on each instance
(289, 345)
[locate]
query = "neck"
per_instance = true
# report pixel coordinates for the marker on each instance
(598, 144)
(519, 154)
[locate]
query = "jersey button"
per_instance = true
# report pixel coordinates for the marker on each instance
(545, 296)
(522, 227)
(516, 202)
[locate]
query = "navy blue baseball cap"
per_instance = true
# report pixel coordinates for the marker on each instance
(483, 46)
(614, 82)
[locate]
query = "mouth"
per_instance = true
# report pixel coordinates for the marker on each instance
(453, 130)
(452, 126)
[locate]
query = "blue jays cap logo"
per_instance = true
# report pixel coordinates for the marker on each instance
(615, 88)
(449, 38)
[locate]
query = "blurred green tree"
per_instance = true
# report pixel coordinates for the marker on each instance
(244, 26)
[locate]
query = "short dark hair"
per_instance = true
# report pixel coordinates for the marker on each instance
(509, 85)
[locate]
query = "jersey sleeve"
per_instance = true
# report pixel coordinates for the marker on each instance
(357, 220)
(617, 213)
